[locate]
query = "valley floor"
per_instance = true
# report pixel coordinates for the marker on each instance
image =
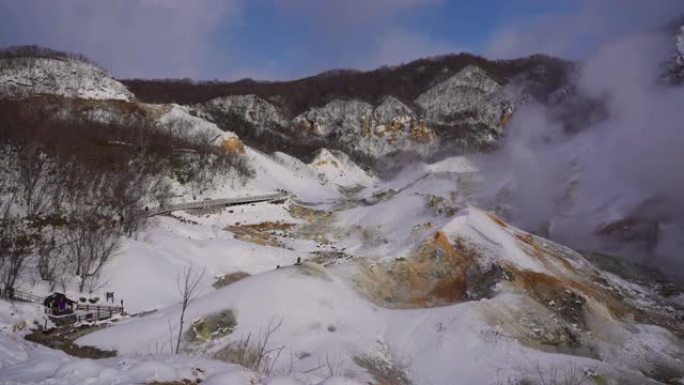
(401, 283)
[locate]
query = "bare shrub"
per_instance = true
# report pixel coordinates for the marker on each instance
(255, 354)
(569, 375)
(188, 283)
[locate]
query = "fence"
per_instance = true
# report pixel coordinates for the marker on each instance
(21, 296)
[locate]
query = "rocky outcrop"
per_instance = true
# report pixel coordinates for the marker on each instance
(467, 98)
(240, 110)
(337, 117)
(465, 111)
(376, 131)
(27, 76)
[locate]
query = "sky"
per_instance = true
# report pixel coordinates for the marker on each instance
(287, 39)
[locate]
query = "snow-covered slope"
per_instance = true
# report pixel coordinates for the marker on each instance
(182, 123)
(351, 313)
(414, 284)
(409, 285)
(337, 168)
(27, 76)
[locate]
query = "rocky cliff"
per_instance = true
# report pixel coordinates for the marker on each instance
(26, 71)
(456, 103)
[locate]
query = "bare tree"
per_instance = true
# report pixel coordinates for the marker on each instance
(17, 241)
(188, 284)
(33, 171)
(91, 241)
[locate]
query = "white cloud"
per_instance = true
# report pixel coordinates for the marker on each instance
(401, 46)
(130, 37)
(580, 32)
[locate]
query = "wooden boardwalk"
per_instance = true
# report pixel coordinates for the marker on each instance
(216, 203)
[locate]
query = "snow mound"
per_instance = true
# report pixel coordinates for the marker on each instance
(338, 168)
(456, 164)
(21, 77)
(183, 123)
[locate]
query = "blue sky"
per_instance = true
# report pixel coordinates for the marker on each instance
(285, 39)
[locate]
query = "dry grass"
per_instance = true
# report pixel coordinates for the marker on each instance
(233, 146)
(254, 353)
(383, 371)
(271, 226)
(183, 381)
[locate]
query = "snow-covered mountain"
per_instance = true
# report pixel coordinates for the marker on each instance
(351, 279)
(427, 107)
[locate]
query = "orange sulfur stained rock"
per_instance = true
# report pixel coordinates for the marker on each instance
(421, 133)
(505, 117)
(233, 146)
(435, 274)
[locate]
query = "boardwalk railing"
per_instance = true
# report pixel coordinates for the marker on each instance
(216, 203)
(97, 312)
(84, 312)
(21, 296)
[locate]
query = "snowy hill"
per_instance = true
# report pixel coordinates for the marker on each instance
(22, 76)
(466, 285)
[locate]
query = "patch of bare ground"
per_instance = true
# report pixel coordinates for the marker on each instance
(329, 258)
(62, 338)
(184, 381)
(306, 213)
(319, 223)
(228, 279)
(586, 281)
(435, 274)
(261, 233)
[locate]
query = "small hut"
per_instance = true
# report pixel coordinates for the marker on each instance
(59, 304)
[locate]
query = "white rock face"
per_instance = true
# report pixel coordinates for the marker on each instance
(339, 115)
(393, 110)
(21, 77)
(467, 98)
(375, 131)
(251, 108)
